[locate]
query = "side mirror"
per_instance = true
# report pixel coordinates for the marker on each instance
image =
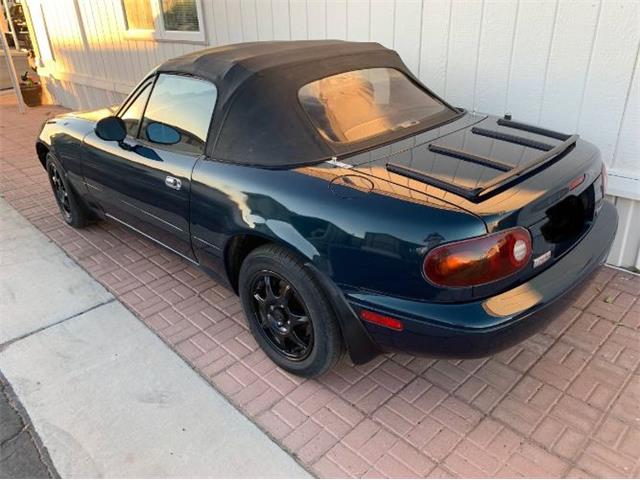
(162, 133)
(111, 129)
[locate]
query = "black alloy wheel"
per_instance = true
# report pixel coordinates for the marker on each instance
(71, 206)
(283, 317)
(60, 191)
(288, 312)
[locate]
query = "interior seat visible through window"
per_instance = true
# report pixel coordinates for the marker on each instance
(360, 104)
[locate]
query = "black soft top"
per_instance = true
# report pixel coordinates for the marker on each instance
(258, 119)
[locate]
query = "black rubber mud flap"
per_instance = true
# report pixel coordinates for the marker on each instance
(359, 344)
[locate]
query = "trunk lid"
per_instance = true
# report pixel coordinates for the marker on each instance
(556, 201)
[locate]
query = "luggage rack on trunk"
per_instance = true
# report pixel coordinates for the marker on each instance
(510, 174)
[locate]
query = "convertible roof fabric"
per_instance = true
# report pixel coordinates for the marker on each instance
(258, 119)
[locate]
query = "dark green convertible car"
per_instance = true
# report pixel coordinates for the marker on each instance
(351, 208)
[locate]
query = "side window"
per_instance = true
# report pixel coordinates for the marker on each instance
(132, 115)
(179, 112)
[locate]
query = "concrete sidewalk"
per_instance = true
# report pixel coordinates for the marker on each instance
(107, 397)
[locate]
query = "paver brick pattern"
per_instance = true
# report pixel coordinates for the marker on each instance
(566, 402)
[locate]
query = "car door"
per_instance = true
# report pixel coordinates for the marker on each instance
(144, 182)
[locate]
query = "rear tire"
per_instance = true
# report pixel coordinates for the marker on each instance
(288, 312)
(72, 210)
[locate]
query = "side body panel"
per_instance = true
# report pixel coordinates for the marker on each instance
(130, 186)
(370, 239)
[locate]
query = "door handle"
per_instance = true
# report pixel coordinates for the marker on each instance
(173, 182)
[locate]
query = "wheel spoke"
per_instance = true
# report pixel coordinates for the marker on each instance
(268, 287)
(298, 319)
(262, 308)
(285, 294)
(293, 336)
(278, 338)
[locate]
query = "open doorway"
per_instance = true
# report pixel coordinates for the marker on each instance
(14, 27)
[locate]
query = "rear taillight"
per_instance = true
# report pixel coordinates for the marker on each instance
(479, 260)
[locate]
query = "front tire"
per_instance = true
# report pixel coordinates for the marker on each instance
(288, 312)
(73, 212)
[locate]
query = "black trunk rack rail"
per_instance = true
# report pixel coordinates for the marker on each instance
(510, 174)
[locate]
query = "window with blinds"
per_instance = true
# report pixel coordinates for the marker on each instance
(164, 20)
(180, 15)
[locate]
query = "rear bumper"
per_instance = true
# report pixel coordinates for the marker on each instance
(477, 329)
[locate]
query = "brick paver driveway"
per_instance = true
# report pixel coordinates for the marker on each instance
(564, 403)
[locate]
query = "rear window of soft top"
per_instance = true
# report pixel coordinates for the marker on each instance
(360, 104)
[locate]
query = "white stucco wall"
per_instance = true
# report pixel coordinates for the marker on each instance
(571, 65)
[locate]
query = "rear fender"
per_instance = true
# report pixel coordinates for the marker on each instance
(359, 345)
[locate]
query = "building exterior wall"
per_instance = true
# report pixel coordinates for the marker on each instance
(568, 65)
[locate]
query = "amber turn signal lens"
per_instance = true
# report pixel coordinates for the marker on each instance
(479, 260)
(576, 182)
